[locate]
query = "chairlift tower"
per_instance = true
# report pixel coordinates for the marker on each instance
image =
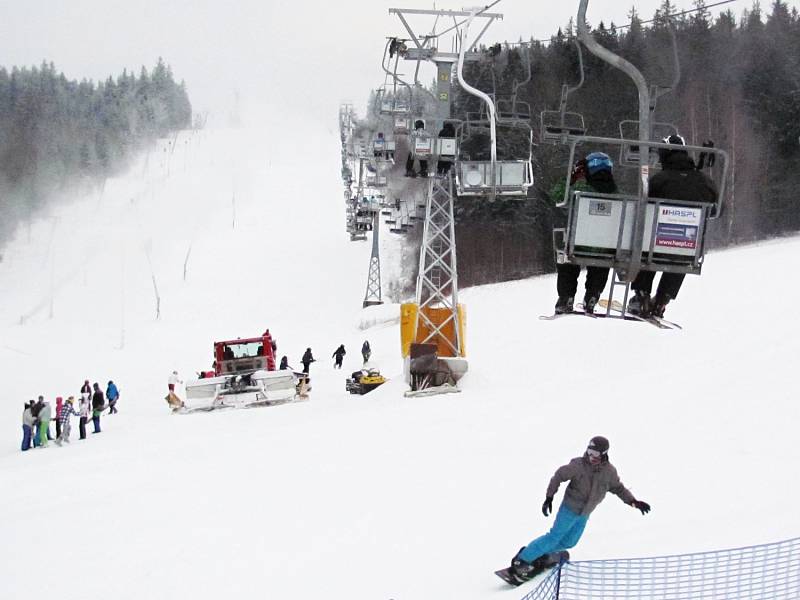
(372, 296)
(436, 319)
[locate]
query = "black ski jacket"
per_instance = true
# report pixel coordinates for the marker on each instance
(679, 180)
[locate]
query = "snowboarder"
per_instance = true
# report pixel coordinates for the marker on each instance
(679, 179)
(338, 354)
(174, 380)
(27, 426)
(285, 364)
(590, 477)
(307, 359)
(66, 410)
(112, 395)
(366, 352)
(98, 404)
(597, 170)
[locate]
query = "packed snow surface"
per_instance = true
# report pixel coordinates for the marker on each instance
(372, 497)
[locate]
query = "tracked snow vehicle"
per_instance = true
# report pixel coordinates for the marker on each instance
(364, 381)
(244, 376)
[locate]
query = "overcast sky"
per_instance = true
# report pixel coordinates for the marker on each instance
(287, 55)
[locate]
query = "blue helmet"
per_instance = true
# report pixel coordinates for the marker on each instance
(598, 161)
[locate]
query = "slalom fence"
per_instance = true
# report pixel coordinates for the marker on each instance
(765, 572)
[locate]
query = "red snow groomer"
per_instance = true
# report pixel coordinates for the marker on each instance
(244, 375)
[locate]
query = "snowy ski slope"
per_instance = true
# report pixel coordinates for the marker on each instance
(371, 497)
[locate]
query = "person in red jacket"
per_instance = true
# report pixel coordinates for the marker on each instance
(59, 405)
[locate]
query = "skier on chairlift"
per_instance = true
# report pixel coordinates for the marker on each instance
(679, 179)
(590, 477)
(597, 171)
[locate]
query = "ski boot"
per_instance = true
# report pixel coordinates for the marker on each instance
(523, 570)
(564, 305)
(640, 305)
(589, 302)
(660, 302)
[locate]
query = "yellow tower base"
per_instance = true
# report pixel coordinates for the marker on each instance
(408, 324)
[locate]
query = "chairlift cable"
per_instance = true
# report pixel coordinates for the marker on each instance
(627, 25)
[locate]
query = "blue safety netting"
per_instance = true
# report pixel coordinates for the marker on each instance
(765, 572)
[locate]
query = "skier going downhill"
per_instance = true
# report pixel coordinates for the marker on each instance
(590, 477)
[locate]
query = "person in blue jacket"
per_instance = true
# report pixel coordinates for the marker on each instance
(112, 395)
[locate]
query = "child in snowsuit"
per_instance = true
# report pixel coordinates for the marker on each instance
(66, 410)
(339, 356)
(112, 395)
(27, 426)
(591, 476)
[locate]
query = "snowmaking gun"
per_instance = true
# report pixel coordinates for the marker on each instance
(364, 381)
(244, 376)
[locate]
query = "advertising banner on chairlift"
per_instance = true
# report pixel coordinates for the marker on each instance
(678, 230)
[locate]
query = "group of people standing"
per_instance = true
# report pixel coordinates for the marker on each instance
(36, 415)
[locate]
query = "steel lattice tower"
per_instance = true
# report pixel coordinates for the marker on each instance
(373, 294)
(437, 282)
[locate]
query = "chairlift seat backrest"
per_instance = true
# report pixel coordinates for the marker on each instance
(674, 228)
(554, 128)
(512, 178)
(446, 147)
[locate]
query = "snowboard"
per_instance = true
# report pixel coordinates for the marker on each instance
(550, 560)
(576, 313)
(659, 322)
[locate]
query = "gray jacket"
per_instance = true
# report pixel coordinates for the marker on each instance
(588, 484)
(27, 417)
(45, 413)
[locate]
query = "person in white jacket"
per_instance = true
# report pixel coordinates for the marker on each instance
(173, 381)
(83, 412)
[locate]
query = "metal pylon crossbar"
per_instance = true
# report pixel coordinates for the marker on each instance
(373, 294)
(437, 282)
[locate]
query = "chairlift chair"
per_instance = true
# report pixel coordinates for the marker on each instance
(557, 126)
(511, 177)
(599, 226)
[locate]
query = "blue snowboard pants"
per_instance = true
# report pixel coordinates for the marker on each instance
(26, 437)
(565, 533)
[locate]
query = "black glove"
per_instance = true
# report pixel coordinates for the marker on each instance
(642, 506)
(547, 507)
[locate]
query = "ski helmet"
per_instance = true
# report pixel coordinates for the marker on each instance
(599, 444)
(674, 139)
(598, 161)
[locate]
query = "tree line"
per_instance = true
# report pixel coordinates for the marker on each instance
(739, 86)
(54, 131)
